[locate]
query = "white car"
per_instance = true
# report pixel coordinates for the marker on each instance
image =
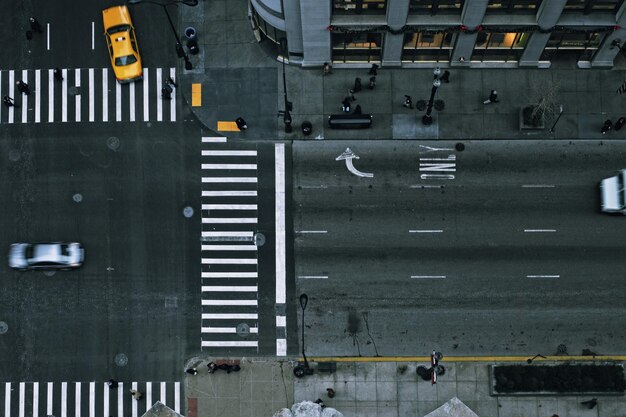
(56, 255)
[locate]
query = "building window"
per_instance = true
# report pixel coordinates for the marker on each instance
(357, 47)
(579, 45)
(433, 7)
(499, 46)
(427, 47)
(359, 6)
(270, 36)
(513, 6)
(588, 6)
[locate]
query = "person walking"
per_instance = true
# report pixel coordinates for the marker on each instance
(8, 101)
(357, 85)
(445, 77)
(22, 87)
(331, 392)
(372, 83)
(620, 123)
(166, 92)
(346, 105)
(34, 25)
(608, 125)
(351, 95)
(112, 383)
(328, 69)
(192, 371)
(493, 97)
(136, 394)
(170, 81)
(373, 70)
(408, 102)
(58, 75)
(241, 124)
(357, 109)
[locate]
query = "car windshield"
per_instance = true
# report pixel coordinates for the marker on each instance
(119, 28)
(125, 60)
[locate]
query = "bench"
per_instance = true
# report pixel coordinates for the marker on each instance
(230, 362)
(350, 121)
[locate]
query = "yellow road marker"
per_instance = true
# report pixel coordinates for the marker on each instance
(227, 126)
(196, 95)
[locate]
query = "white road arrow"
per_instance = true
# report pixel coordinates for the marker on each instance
(348, 155)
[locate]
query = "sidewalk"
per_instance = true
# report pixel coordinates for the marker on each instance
(373, 389)
(238, 78)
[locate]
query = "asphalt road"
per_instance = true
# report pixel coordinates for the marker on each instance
(499, 250)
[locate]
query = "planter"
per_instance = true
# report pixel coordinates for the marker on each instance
(528, 121)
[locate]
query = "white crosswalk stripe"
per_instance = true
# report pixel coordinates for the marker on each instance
(86, 399)
(229, 254)
(86, 95)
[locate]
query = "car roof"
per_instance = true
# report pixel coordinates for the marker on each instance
(121, 44)
(115, 16)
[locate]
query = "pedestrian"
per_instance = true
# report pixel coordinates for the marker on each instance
(590, 403)
(8, 101)
(331, 392)
(408, 102)
(136, 394)
(372, 83)
(321, 403)
(608, 124)
(22, 87)
(166, 92)
(328, 69)
(29, 35)
(445, 77)
(112, 383)
(241, 124)
(493, 97)
(192, 371)
(620, 123)
(58, 75)
(212, 367)
(357, 109)
(346, 105)
(34, 25)
(555, 415)
(357, 85)
(170, 81)
(351, 95)
(373, 70)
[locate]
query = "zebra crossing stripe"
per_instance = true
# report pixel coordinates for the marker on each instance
(37, 96)
(173, 106)
(11, 89)
(146, 107)
(24, 98)
(229, 247)
(105, 96)
(213, 139)
(49, 401)
(77, 99)
(159, 83)
(228, 153)
(131, 99)
(225, 330)
(118, 102)
(92, 399)
(64, 97)
(92, 101)
(229, 288)
(229, 166)
(51, 94)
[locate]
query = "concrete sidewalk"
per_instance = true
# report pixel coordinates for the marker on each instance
(238, 78)
(373, 389)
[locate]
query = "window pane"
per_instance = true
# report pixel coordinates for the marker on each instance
(436, 6)
(359, 6)
(356, 47)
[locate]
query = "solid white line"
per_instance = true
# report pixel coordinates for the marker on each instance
(229, 247)
(50, 96)
(105, 96)
(120, 399)
(229, 207)
(538, 186)
(229, 179)
(24, 98)
(48, 36)
(245, 193)
(11, 91)
(209, 329)
(229, 302)
(49, 399)
(148, 396)
(313, 276)
(177, 397)
(77, 387)
(63, 399)
(229, 261)
(77, 111)
(118, 101)
(22, 397)
(426, 231)
(92, 97)
(159, 82)
(428, 276)
(7, 399)
(92, 399)
(230, 275)
(281, 321)
(173, 101)
(539, 230)
(1, 95)
(281, 347)
(213, 139)
(64, 97)
(314, 187)
(134, 406)
(232, 316)
(228, 166)
(35, 399)
(146, 90)
(234, 220)
(427, 186)
(229, 344)
(105, 394)
(163, 398)
(229, 288)
(93, 35)
(37, 96)
(131, 101)
(312, 231)
(229, 234)
(229, 153)
(543, 276)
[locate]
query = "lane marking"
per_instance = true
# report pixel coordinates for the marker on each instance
(225, 330)
(243, 193)
(428, 276)
(229, 303)
(543, 276)
(229, 261)
(280, 236)
(146, 102)
(539, 230)
(231, 316)
(313, 276)
(48, 36)
(229, 166)
(213, 139)
(229, 179)
(426, 231)
(312, 231)
(229, 153)
(92, 95)
(229, 288)
(229, 344)
(538, 186)
(93, 35)
(229, 207)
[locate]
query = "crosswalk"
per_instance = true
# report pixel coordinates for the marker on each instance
(86, 399)
(86, 95)
(229, 253)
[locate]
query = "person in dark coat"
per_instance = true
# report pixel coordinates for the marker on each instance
(408, 102)
(346, 105)
(357, 85)
(8, 101)
(445, 77)
(373, 70)
(372, 83)
(112, 383)
(34, 25)
(241, 124)
(608, 125)
(493, 97)
(22, 87)
(166, 92)
(58, 75)
(357, 109)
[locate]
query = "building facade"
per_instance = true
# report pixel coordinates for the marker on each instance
(415, 33)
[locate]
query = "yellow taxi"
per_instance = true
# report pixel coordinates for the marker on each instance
(122, 44)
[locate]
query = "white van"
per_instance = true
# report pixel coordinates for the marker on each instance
(613, 193)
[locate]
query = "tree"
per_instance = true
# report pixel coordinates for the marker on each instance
(544, 97)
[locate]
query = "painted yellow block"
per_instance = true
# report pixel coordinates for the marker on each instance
(196, 95)
(227, 127)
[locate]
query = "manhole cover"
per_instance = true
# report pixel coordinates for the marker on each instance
(113, 143)
(243, 329)
(49, 273)
(4, 327)
(259, 239)
(78, 198)
(14, 155)
(121, 359)
(74, 90)
(188, 212)
(459, 147)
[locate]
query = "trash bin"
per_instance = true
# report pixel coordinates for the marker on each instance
(307, 128)
(192, 45)
(190, 33)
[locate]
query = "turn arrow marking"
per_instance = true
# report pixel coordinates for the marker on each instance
(348, 155)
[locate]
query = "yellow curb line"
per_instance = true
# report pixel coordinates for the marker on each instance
(466, 359)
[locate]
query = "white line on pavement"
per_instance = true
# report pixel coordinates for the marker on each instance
(426, 231)
(543, 276)
(428, 276)
(539, 230)
(77, 111)
(313, 276)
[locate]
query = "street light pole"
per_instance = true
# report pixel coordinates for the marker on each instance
(427, 119)
(288, 105)
(180, 51)
(300, 371)
(557, 119)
